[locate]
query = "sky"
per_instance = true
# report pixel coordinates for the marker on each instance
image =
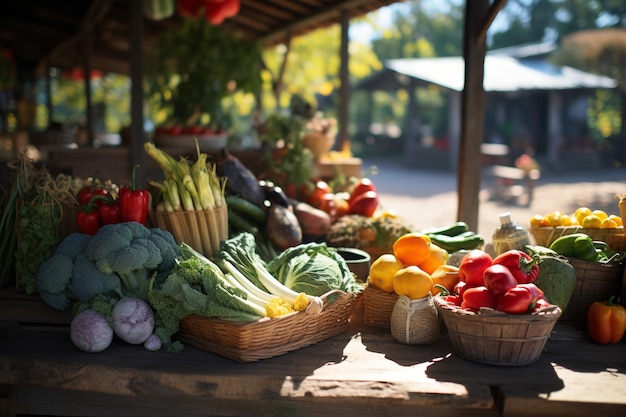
(364, 32)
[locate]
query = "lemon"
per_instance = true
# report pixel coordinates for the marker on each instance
(413, 282)
(591, 222)
(608, 223)
(600, 213)
(581, 213)
(554, 219)
(568, 220)
(537, 221)
(382, 271)
(616, 219)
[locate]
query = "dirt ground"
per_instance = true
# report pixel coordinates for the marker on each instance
(429, 198)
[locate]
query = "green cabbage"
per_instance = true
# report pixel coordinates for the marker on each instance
(313, 268)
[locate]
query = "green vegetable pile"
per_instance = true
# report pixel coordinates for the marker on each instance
(239, 285)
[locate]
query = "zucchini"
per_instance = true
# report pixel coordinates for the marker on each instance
(241, 224)
(450, 230)
(455, 243)
(247, 209)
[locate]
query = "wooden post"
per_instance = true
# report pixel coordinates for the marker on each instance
(478, 16)
(344, 92)
(137, 154)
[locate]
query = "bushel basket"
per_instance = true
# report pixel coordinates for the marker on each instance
(595, 281)
(267, 338)
(496, 338)
(614, 237)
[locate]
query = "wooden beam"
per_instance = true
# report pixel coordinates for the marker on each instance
(472, 114)
(344, 90)
(137, 153)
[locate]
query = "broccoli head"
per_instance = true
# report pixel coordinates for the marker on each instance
(53, 278)
(133, 252)
(87, 280)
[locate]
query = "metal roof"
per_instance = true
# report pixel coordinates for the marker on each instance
(502, 74)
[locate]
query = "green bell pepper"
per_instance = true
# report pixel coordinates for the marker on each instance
(576, 245)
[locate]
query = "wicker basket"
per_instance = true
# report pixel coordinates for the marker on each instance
(614, 237)
(595, 281)
(377, 307)
(202, 230)
(497, 338)
(267, 338)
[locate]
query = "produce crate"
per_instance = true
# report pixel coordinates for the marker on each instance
(595, 281)
(496, 338)
(267, 338)
(614, 237)
(377, 307)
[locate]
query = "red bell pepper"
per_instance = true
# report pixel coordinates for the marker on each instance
(88, 217)
(525, 268)
(472, 267)
(110, 212)
(477, 297)
(134, 202)
(498, 279)
(520, 299)
(454, 299)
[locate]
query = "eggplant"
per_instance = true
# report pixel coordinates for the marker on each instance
(240, 181)
(274, 193)
(282, 227)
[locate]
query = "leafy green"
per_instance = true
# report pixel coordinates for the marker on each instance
(313, 268)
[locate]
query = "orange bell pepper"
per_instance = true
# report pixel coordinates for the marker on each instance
(606, 322)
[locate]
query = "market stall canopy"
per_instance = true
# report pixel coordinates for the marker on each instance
(44, 33)
(502, 74)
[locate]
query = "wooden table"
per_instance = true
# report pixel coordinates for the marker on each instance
(363, 372)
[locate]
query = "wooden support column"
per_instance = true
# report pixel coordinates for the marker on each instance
(344, 74)
(478, 16)
(137, 154)
(87, 45)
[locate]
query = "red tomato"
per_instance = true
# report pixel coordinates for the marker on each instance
(192, 130)
(343, 207)
(318, 194)
(175, 130)
(329, 205)
(364, 185)
(472, 267)
(364, 204)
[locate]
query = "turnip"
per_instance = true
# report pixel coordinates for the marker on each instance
(152, 343)
(90, 331)
(133, 320)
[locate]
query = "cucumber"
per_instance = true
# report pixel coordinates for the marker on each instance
(450, 230)
(247, 209)
(455, 243)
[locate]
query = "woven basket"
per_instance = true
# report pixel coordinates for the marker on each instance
(497, 338)
(267, 338)
(202, 230)
(544, 236)
(595, 281)
(377, 307)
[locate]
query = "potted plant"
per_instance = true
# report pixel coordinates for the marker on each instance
(194, 68)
